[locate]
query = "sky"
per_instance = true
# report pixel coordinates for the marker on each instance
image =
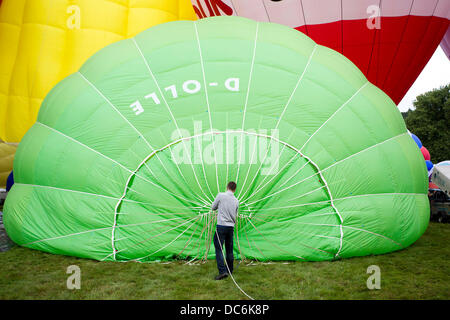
(435, 74)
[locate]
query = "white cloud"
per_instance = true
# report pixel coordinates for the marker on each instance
(435, 74)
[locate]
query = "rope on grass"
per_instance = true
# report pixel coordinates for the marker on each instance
(228, 268)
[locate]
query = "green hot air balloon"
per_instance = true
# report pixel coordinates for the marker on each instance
(129, 152)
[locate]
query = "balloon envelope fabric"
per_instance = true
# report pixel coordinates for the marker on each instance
(43, 41)
(128, 154)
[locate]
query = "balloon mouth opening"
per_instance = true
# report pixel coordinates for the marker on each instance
(175, 186)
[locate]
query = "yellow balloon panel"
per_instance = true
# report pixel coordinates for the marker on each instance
(7, 152)
(43, 41)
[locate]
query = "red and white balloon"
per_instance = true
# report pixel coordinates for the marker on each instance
(390, 41)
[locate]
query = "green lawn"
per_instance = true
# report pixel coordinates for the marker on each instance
(419, 272)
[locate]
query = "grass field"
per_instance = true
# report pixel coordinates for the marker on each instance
(418, 272)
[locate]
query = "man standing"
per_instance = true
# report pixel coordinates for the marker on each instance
(227, 206)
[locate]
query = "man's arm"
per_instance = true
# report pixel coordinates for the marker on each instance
(237, 209)
(215, 204)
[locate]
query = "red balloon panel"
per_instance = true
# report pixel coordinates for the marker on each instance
(391, 55)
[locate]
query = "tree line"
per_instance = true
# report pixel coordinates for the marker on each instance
(430, 121)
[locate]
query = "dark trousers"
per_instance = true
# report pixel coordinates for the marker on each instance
(225, 235)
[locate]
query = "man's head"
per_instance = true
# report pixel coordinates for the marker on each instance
(231, 186)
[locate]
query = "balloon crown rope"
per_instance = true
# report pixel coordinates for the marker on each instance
(207, 202)
(210, 218)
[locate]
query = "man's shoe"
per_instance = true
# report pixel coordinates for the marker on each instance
(221, 276)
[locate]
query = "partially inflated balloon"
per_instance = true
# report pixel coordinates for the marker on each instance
(7, 152)
(425, 153)
(389, 40)
(416, 139)
(129, 152)
(43, 41)
(429, 165)
(9, 181)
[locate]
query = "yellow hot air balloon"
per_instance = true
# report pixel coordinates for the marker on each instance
(7, 152)
(43, 41)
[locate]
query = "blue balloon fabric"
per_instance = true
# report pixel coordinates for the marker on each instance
(9, 181)
(416, 140)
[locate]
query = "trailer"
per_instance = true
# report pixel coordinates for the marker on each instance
(440, 198)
